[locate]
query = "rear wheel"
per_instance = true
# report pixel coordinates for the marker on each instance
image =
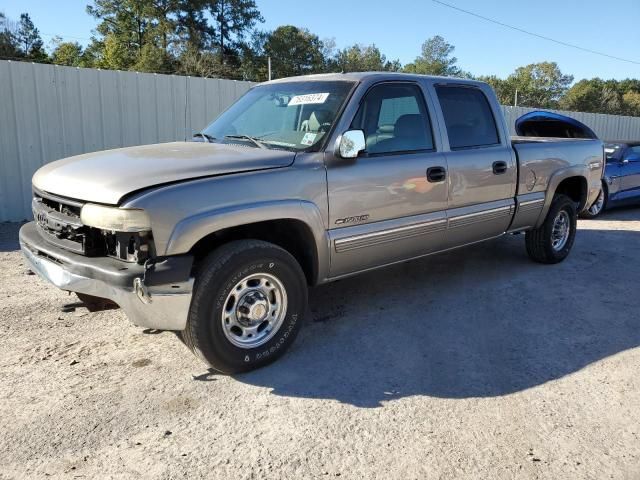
(598, 206)
(552, 241)
(247, 306)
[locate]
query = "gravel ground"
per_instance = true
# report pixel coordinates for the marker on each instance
(472, 364)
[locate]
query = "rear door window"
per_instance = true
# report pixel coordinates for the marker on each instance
(468, 117)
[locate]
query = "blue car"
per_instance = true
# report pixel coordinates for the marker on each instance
(621, 182)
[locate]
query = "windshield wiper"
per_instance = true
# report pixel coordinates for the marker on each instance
(254, 140)
(206, 137)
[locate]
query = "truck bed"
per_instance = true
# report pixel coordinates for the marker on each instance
(541, 157)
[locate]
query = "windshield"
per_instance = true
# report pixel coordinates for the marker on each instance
(294, 116)
(612, 151)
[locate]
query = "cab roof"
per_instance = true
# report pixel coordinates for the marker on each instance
(372, 76)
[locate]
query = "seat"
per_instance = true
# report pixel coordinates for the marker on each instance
(316, 120)
(384, 132)
(409, 133)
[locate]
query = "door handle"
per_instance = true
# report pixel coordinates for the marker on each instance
(499, 167)
(436, 174)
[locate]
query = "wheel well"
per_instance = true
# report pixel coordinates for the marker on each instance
(576, 189)
(292, 235)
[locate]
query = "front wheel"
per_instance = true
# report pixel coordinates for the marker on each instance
(248, 303)
(552, 241)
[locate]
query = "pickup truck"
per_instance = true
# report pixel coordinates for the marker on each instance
(302, 181)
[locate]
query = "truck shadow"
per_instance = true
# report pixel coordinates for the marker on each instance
(478, 322)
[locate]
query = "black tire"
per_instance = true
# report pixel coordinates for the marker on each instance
(590, 213)
(539, 241)
(217, 276)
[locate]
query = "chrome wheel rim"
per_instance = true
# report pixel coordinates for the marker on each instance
(597, 205)
(561, 230)
(254, 310)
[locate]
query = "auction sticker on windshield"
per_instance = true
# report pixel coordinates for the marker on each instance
(308, 139)
(308, 99)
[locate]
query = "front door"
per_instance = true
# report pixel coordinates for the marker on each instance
(482, 168)
(388, 204)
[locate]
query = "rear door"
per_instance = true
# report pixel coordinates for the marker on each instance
(482, 168)
(388, 204)
(630, 172)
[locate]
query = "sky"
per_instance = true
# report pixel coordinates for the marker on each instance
(399, 27)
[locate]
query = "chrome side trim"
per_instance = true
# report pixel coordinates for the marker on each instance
(389, 235)
(531, 202)
(530, 205)
(484, 215)
(388, 264)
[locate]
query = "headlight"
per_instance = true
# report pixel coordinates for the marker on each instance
(116, 219)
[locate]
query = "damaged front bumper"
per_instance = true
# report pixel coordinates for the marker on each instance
(155, 295)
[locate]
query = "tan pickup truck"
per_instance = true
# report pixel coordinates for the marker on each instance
(302, 181)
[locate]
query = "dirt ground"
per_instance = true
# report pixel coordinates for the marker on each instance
(472, 364)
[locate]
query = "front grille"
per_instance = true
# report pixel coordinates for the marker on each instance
(58, 221)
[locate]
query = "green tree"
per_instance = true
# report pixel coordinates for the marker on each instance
(164, 15)
(192, 28)
(436, 59)
(8, 44)
(128, 20)
(586, 96)
(253, 64)
(207, 64)
(361, 58)
(539, 85)
(294, 51)
(603, 96)
(501, 87)
(631, 100)
(28, 39)
(152, 59)
(68, 54)
(135, 34)
(115, 54)
(172, 35)
(234, 18)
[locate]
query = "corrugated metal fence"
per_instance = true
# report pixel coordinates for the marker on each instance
(49, 112)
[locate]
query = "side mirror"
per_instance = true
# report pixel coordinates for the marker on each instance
(352, 142)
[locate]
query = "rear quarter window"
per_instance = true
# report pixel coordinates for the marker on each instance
(468, 117)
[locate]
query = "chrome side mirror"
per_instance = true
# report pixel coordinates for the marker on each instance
(352, 142)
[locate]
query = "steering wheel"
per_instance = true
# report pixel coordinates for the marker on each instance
(324, 128)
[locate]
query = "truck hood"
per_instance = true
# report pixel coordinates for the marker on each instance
(107, 176)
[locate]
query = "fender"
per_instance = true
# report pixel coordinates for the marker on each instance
(190, 230)
(581, 171)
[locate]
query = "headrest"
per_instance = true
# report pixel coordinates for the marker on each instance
(409, 125)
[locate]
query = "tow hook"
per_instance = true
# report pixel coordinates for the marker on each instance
(139, 287)
(141, 290)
